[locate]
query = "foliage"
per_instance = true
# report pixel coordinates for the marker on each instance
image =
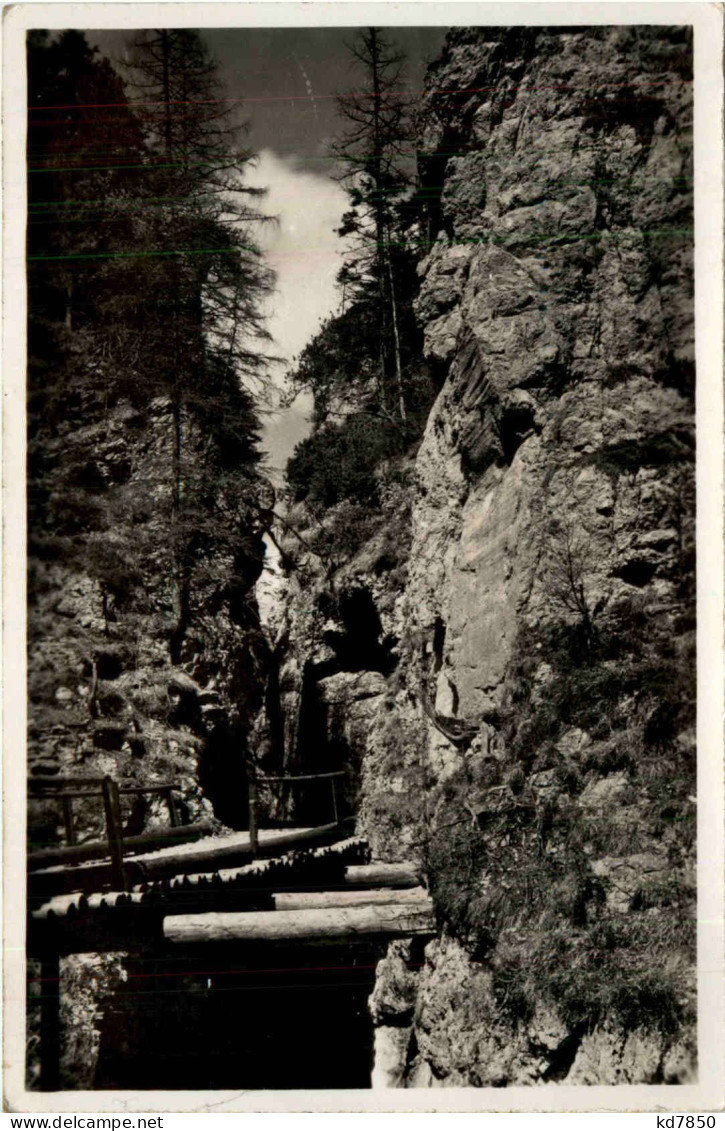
(339, 460)
(334, 373)
(371, 151)
(346, 528)
(371, 392)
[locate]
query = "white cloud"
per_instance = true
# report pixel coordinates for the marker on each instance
(306, 254)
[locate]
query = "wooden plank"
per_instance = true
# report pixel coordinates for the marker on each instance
(206, 859)
(73, 794)
(112, 809)
(305, 900)
(173, 816)
(70, 835)
(383, 875)
(125, 790)
(253, 833)
(390, 920)
(239, 872)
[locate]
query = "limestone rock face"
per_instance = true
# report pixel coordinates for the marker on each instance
(561, 315)
(565, 325)
(395, 989)
(86, 981)
(458, 1037)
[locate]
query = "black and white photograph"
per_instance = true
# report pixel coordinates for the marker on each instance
(361, 558)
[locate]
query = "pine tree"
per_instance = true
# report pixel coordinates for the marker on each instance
(145, 287)
(77, 153)
(370, 389)
(372, 151)
(209, 290)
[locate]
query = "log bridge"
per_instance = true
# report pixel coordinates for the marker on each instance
(67, 867)
(67, 790)
(314, 897)
(397, 907)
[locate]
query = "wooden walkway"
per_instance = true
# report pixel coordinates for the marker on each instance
(314, 888)
(120, 862)
(204, 856)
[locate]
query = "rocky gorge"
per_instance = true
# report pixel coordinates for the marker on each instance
(506, 656)
(500, 651)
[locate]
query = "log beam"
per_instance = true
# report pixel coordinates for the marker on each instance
(383, 875)
(305, 900)
(182, 834)
(50, 1018)
(391, 920)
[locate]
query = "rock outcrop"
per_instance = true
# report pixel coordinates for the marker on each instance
(104, 696)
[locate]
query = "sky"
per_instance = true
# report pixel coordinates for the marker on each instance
(283, 81)
(305, 253)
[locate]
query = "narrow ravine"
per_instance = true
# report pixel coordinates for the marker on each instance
(362, 662)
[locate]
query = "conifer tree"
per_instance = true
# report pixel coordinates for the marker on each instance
(77, 153)
(372, 151)
(207, 362)
(370, 389)
(145, 287)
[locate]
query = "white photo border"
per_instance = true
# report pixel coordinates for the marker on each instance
(707, 21)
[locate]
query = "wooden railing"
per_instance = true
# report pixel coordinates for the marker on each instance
(68, 790)
(267, 779)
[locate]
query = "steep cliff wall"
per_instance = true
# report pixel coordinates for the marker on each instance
(504, 656)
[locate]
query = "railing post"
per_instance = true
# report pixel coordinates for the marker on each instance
(112, 808)
(50, 1017)
(70, 835)
(173, 818)
(253, 833)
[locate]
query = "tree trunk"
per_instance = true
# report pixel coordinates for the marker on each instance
(181, 573)
(379, 208)
(396, 337)
(68, 320)
(166, 84)
(182, 579)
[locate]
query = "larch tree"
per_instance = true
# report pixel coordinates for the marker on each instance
(145, 286)
(201, 311)
(83, 159)
(370, 387)
(372, 151)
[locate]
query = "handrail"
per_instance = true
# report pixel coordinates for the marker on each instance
(32, 781)
(300, 777)
(163, 787)
(110, 793)
(95, 850)
(159, 787)
(256, 780)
